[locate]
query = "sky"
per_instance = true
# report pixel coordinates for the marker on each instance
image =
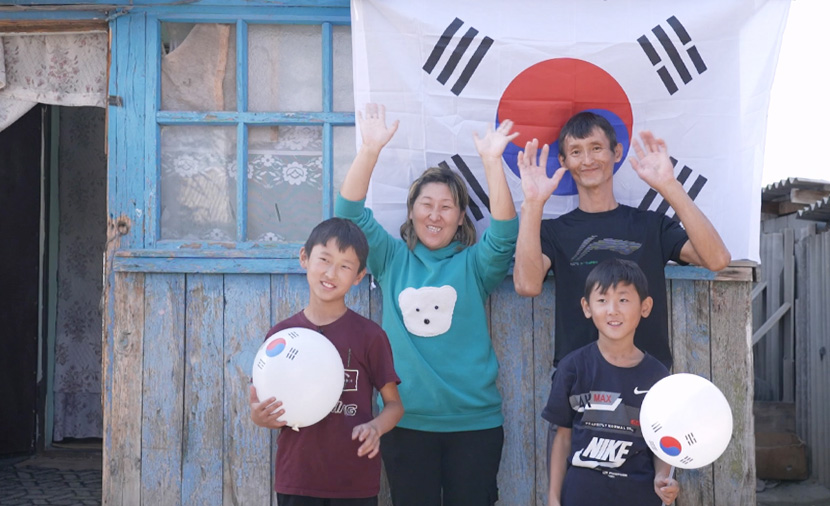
(797, 135)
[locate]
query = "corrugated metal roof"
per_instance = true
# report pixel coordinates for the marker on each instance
(783, 188)
(807, 197)
(817, 211)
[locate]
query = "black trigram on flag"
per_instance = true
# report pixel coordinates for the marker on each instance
(693, 192)
(292, 353)
(673, 54)
(458, 52)
(474, 186)
(656, 427)
(686, 460)
(690, 439)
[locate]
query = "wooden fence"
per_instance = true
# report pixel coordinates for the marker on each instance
(180, 346)
(791, 314)
(812, 362)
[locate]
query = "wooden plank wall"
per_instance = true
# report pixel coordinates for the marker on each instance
(775, 351)
(178, 428)
(814, 325)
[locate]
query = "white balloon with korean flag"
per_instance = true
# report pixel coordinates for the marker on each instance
(302, 369)
(686, 420)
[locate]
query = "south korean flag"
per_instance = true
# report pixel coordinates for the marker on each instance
(698, 74)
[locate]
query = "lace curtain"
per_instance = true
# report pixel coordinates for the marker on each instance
(285, 164)
(59, 69)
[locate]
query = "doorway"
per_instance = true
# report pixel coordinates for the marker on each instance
(53, 220)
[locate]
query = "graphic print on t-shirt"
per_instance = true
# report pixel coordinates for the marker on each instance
(606, 414)
(603, 401)
(427, 311)
(602, 452)
(619, 246)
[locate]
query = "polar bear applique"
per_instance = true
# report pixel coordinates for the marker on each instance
(427, 311)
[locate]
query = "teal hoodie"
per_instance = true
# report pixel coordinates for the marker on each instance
(434, 315)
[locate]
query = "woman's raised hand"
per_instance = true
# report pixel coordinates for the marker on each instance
(494, 142)
(373, 127)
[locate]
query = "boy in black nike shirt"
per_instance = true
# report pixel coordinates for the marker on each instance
(599, 455)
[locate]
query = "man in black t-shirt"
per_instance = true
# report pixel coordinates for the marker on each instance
(572, 244)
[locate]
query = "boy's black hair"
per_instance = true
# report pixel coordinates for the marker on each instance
(582, 124)
(614, 271)
(346, 233)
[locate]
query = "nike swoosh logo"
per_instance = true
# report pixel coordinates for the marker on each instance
(637, 391)
(593, 464)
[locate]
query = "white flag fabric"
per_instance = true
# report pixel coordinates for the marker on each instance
(697, 74)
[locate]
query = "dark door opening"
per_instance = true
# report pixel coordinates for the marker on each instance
(21, 151)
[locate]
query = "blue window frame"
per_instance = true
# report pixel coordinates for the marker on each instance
(242, 125)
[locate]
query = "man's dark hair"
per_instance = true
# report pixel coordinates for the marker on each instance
(581, 125)
(347, 234)
(614, 271)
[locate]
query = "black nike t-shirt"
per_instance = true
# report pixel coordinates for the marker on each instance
(609, 461)
(577, 241)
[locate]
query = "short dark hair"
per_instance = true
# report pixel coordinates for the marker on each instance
(582, 124)
(614, 271)
(346, 233)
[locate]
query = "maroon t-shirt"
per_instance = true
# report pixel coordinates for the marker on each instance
(321, 460)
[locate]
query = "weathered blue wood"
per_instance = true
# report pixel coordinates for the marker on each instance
(207, 265)
(124, 315)
(216, 250)
(131, 177)
(328, 67)
(126, 156)
(289, 295)
(254, 118)
(162, 389)
(511, 327)
(247, 455)
(250, 3)
(242, 72)
(358, 298)
(110, 482)
(220, 11)
(93, 12)
(122, 405)
(328, 129)
(734, 471)
(543, 341)
(152, 134)
(242, 182)
(375, 302)
(691, 354)
(203, 392)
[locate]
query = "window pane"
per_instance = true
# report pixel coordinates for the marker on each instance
(197, 67)
(285, 182)
(343, 84)
(198, 183)
(285, 68)
(344, 153)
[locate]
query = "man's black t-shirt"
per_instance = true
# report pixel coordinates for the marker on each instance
(577, 241)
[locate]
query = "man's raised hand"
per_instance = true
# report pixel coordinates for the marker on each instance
(536, 185)
(652, 162)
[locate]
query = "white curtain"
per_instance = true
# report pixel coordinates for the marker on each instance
(57, 68)
(198, 163)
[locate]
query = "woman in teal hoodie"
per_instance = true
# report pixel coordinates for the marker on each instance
(435, 280)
